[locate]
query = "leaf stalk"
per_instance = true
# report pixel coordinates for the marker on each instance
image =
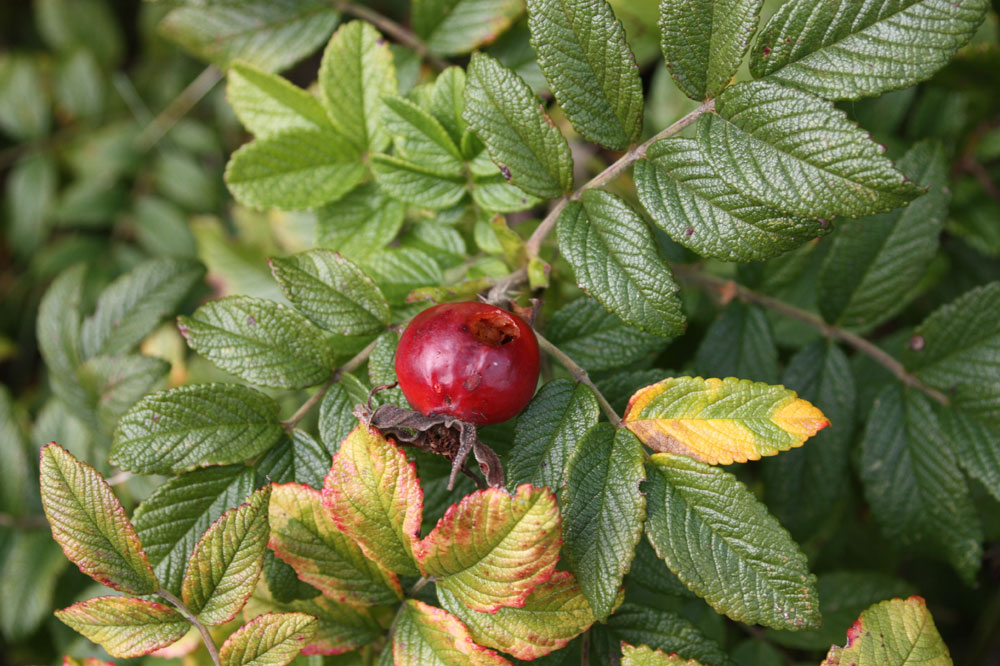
(213, 652)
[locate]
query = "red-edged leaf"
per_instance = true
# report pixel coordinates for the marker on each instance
(89, 661)
(374, 497)
(427, 635)
(645, 656)
(272, 639)
(490, 550)
(553, 614)
(892, 633)
(90, 524)
(304, 536)
(124, 626)
(227, 561)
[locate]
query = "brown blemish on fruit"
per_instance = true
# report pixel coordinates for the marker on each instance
(493, 328)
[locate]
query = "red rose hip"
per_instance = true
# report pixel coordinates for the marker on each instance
(470, 361)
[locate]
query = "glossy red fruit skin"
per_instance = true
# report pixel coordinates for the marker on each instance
(446, 369)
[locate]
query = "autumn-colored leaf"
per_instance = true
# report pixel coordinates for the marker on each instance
(491, 549)
(304, 536)
(643, 655)
(428, 635)
(373, 496)
(892, 633)
(721, 421)
(124, 626)
(272, 639)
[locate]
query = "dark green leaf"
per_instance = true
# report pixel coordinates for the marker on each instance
(336, 411)
(661, 630)
(739, 344)
(451, 27)
(974, 436)
(15, 470)
(297, 457)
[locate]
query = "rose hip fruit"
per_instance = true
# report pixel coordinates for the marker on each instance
(469, 361)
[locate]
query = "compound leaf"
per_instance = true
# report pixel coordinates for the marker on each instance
(704, 41)
(268, 104)
(124, 626)
(90, 524)
(470, 547)
(721, 420)
(451, 27)
(273, 639)
(892, 633)
(846, 50)
(227, 561)
(503, 112)
(615, 260)
(582, 50)
(797, 153)
(194, 426)
(724, 545)
(603, 512)
(373, 496)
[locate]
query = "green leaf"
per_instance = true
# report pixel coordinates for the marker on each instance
(268, 104)
(30, 197)
(336, 412)
(259, 341)
(739, 344)
(419, 138)
(724, 545)
(357, 72)
(597, 339)
(913, 483)
(614, 257)
(646, 656)
(974, 436)
(194, 426)
(704, 42)
(547, 432)
(503, 112)
(90, 524)
(227, 561)
(341, 627)
(874, 264)
(170, 521)
(296, 170)
(58, 330)
(842, 596)
(80, 87)
(305, 536)
(553, 614)
(400, 270)
(124, 626)
(803, 485)
(582, 50)
(424, 635)
(663, 630)
(892, 633)
(270, 34)
(415, 184)
(80, 25)
(452, 27)
(846, 50)
(134, 304)
(365, 220)
(603, 512)
(297, 457)
(24, 104)
(274, 639)
(700, 211)
(797, 153)
(15, 468)
(447, 102)
(29, 577)
(115, 383)
(468, 551)
(959, 343)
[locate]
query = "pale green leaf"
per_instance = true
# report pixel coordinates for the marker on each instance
(845, 50)
(892, 633)
(400, 270)
(126, 627)
(366, 219)
(582, 50)
(603, 512)
(724, 545)
(700, 211)
(340, 627)
(58, 331)
(30, 195)
(90, 524)
(503, 112)
(416, 184)
(227, 561)
(115, 383)
(24, 104)
(447, 102)
(704, 41)
(268, 104)
(29, 577)
(615, 260)
(274, 639)
(194, 426)
(80, 25)
(646, 656)
(419, 138)
(795, 152)
(739, 344)
(295, 170)
(357, 72)
(451, 27)
(171, 520)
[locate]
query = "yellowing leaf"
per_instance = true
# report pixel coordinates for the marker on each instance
(490, 550)
(721, 421)
(427, 635)
(892, 633)
(304, 536)
(373, 496)
(646, 656)
(274, 639)
(124, 626)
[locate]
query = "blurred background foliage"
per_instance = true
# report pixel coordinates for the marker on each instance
(113, 139)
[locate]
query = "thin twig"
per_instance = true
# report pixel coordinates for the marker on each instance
(316, 397)
(402, 35)
(189, 616)
(724, 285)
(178, 108)
(25, 523)
(534, 243)
(580, 375)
